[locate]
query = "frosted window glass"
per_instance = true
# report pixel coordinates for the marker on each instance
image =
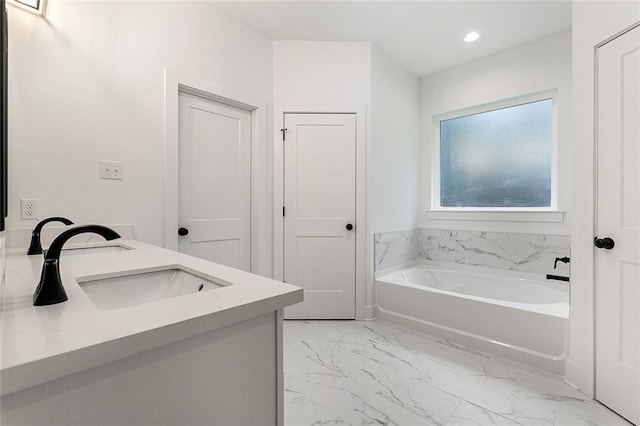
(499, 158)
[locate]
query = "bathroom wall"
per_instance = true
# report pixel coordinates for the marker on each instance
(525, 246)
(3, 268)
(393, 163)
(87, 84)
(593, 23)
(531, 68)
(316, 75)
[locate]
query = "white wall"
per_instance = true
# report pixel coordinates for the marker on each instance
(87, 84)
(317, 74)
(2, 273)
(593, 23)
(3, 267)
(534, 67)
(393, 159)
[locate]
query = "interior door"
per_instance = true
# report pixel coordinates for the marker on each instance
(215, 181)
(617, 254)
(319, 214)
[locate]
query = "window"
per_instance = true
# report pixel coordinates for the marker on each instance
(497, 157)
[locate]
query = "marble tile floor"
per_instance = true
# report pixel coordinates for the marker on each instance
(377, 373)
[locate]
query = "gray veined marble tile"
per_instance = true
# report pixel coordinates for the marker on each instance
(501, 250)
(411, 393)
(468, 414)
(364, 373)
(587, 413)
(395, 248)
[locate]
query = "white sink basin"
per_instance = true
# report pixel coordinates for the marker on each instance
(140, 287)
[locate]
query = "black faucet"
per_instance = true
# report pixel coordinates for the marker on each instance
(50, 290)
(36, 246)
(560, 259)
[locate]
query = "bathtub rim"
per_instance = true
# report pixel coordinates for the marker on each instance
(558, 309)
(459, 267)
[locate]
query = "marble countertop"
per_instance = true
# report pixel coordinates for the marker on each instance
(42, 343)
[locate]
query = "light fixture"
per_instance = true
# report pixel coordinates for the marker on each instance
(472, 36)
(35, 6)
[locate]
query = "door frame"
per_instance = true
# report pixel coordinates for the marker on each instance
(175, 83)
(365, 308)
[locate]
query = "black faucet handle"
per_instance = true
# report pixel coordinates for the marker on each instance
(35, 247)
(560, 259)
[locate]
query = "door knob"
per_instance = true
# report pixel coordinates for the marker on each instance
(182, 231)
(605, 243)
(349, 227)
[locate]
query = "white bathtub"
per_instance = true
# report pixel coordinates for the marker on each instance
(519, 318)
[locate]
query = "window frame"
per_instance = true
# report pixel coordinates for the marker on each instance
(527, 214)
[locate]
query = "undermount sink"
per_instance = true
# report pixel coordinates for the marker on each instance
(107, 248)
(140, 287)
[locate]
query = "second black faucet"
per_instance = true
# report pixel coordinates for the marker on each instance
(36, 245)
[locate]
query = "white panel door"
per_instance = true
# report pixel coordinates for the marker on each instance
(215, 181)
(618, 268)
(320, 199)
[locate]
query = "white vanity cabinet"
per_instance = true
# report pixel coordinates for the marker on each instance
(211, 359)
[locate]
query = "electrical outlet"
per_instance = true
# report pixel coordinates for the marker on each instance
(111, 169)
(29, 208)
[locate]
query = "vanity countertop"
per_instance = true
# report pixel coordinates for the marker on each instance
(42, 343)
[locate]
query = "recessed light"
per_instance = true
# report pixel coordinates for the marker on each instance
(472, 36)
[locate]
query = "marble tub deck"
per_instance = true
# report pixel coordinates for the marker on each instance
(364, 373)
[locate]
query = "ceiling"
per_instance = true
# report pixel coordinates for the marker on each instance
(423, 36)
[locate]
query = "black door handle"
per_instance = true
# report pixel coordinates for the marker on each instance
(605, 243)
(349, 227)
(182, 231)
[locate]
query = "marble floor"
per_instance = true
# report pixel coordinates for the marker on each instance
(370, 373)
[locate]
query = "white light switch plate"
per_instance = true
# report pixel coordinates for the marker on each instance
(111, 170)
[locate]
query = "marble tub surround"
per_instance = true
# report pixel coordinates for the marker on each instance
(45, 343)
(395, 248)
(533, 253)
(346, 372)
(499, 250)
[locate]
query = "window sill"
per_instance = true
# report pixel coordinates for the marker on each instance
(556, 216)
